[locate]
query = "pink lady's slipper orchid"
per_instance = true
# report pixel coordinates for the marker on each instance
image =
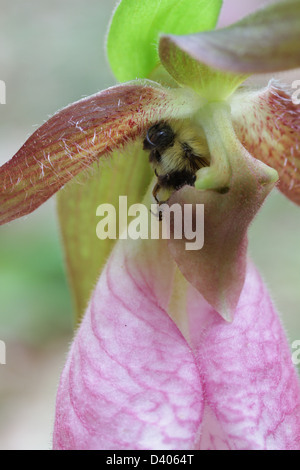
(177, 349)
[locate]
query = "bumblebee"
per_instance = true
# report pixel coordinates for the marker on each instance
(177, 152)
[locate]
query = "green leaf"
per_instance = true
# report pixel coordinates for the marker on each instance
(85, 254)
(264, 42)
(135, 27)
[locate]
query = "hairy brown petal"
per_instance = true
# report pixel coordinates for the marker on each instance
(268, 124)
(78, 135)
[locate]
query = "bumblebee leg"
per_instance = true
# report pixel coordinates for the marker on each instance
(158, 214)
(155, 191)
(154, 194)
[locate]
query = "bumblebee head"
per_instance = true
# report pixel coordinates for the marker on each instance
(160, 137)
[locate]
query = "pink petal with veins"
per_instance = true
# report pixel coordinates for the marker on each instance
(133, 382)
(130, 381)
(251, 389)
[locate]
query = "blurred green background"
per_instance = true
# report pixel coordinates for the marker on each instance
(52, 53)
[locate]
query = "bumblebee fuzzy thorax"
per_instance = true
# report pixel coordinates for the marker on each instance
(177, 152)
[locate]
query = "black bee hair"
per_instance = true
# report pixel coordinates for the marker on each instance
(176, 179)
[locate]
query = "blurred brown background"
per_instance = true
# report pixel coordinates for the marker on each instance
(52, 53)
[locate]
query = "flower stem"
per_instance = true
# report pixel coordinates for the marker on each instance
(227, 153)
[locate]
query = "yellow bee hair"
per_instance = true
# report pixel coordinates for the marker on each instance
(175, 158)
